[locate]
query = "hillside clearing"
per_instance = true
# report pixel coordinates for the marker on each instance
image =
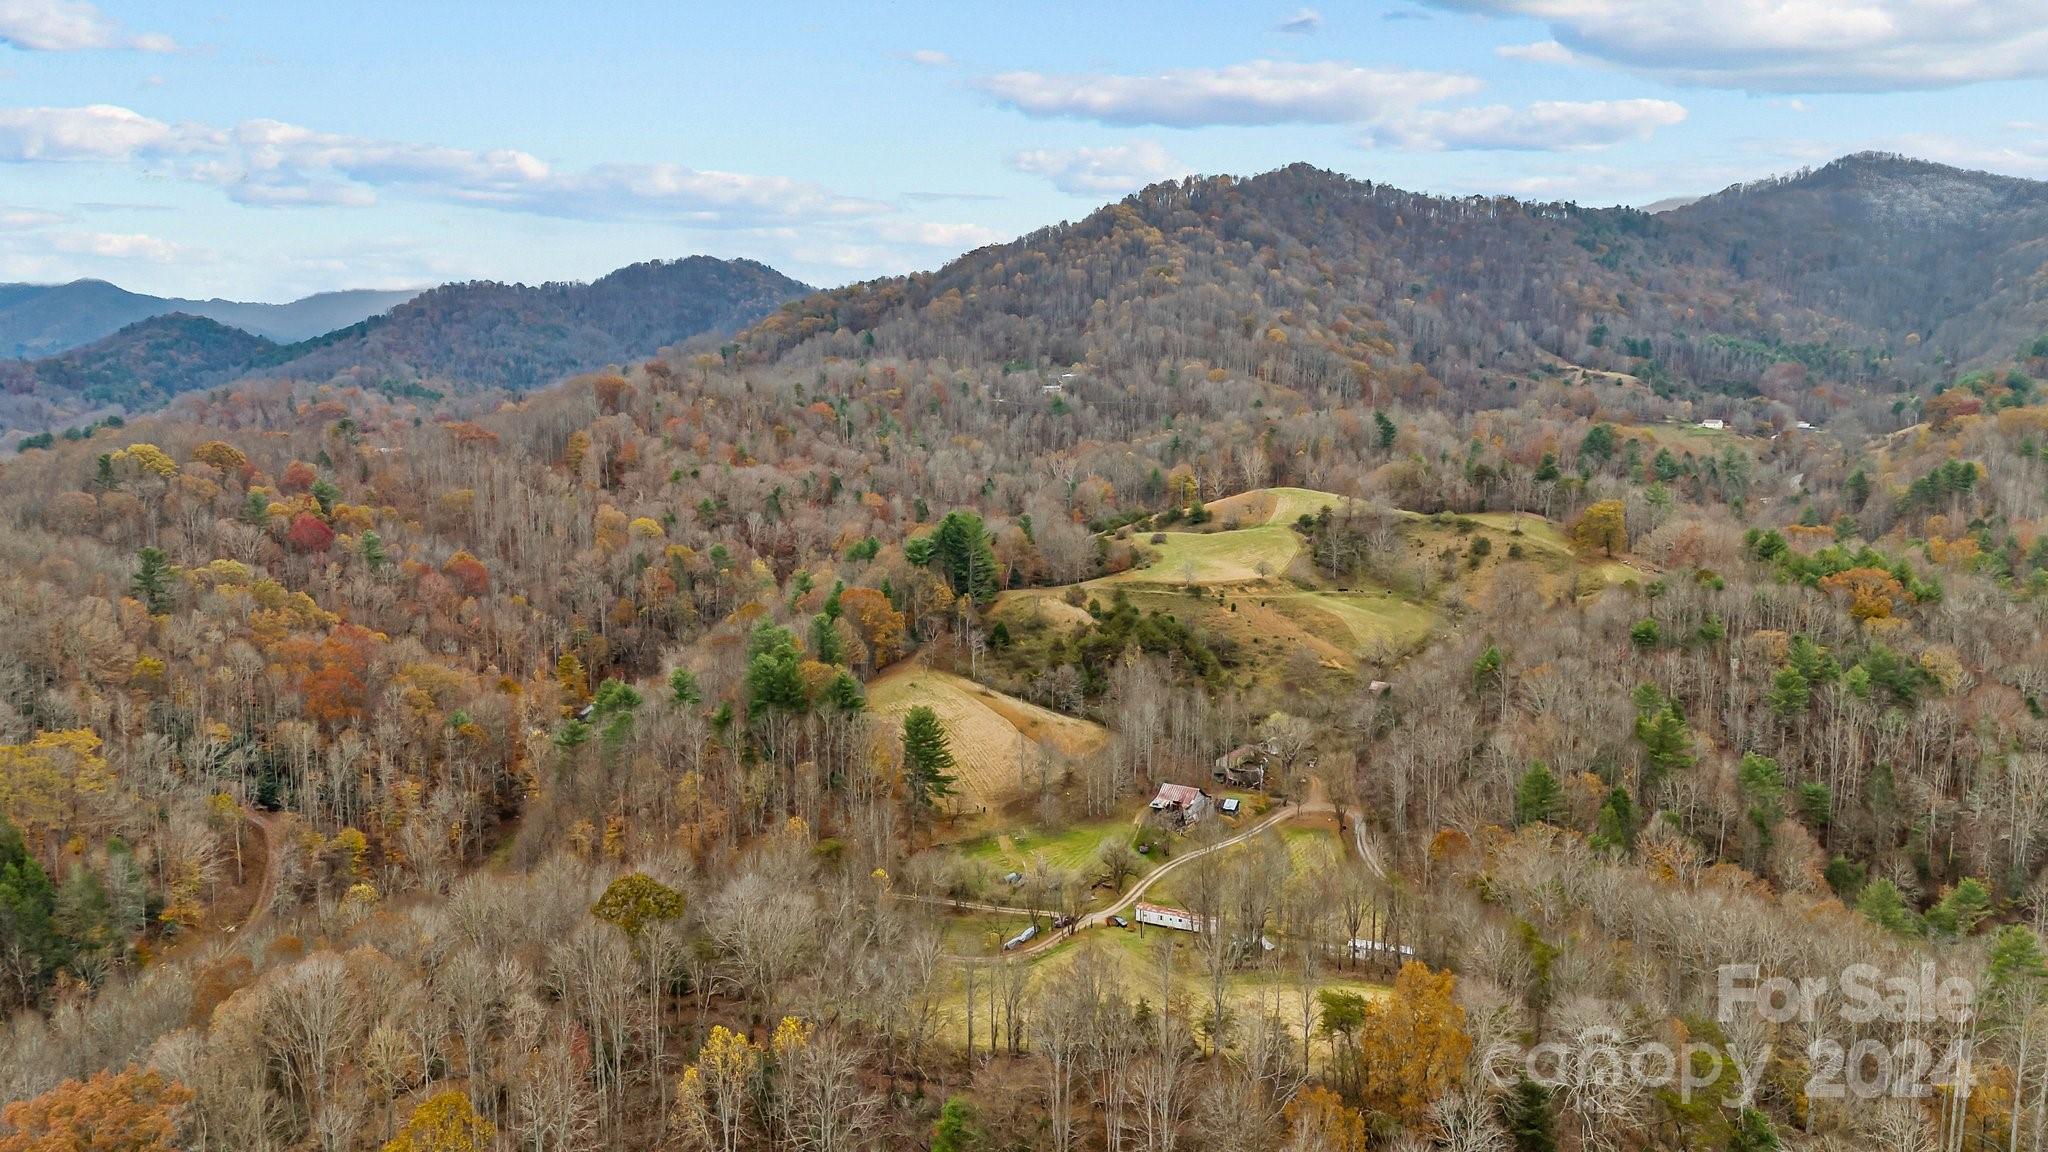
(1233, 557)
(1282, 506)
(996, 739)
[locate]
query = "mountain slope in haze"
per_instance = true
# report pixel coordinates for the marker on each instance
(1873, 270)
(41, 320)
(142, 366)
(458, 337)
(1892, 247)
(489, 335)
(301, 319)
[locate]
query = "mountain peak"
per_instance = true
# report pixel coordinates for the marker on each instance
(1926, 184)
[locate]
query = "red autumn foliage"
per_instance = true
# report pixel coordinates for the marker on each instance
(309, 533)
(333, 672)
(298, 477)
(468, 573)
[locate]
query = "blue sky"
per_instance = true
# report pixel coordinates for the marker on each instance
(267, 150)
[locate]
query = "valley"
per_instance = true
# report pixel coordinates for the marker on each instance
(1226, 673)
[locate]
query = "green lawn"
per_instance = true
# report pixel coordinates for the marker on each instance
(1372, 619)
(1291, 504)
(1238, 557)
(1073, 848)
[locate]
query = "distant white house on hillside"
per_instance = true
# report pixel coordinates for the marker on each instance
(1379, 949)
(1713, 424)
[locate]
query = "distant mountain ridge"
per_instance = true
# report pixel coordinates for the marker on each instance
(1873, 274)
(1887, 246)
(1872, 269)
(472, 336)
(142, 366)
(485, 334)
(41, 320)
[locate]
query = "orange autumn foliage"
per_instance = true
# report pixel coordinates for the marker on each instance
(468, 573)
(1871, 592)
(298, 477)
(127, 1111)
(1319, 1118)
(880, 624)
(1413, 1046)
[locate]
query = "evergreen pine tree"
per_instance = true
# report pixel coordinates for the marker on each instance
(152, 584)
(1667, 744)
(27, 912)
(1965, 907)
(1616, 828)
(682, 687)
(844, 693)
(927, 757)
(826, 645)
(1539, 798)
(1882, 904)
(1525, 1113)
(1753, 1133)
(956, 1129)
(960, 547)
(774, 682)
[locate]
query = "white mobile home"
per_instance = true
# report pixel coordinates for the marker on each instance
(1162, 916)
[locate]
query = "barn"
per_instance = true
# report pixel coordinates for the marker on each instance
(1180, 804)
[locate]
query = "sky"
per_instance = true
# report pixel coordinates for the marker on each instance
(267, 150)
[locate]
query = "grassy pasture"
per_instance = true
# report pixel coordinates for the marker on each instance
(996, 739)
(1208, 558)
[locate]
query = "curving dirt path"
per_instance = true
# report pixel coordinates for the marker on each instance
(266, 825)
(1129, 899)
(1366, 852)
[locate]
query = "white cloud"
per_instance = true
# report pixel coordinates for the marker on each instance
(931, 234)
(26, 219)
(931, 58)
(271, 163)
(941, 197)
(1111, 171)
(93, 132)
(1541, 52)
(1547, 126)
(69, 26)
(1799, 45)
(123, 246)
(1262, 92)
(677, 194)
(1304, 22)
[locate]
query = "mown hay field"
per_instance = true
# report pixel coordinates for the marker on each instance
(996, 739)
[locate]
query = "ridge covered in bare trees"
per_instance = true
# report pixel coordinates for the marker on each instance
(380, 771)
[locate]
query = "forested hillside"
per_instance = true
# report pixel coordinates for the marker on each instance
(1237, 673)
(483, 335)
(38, 321)
(1854, 283)
(136, 369)
(459, 338)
